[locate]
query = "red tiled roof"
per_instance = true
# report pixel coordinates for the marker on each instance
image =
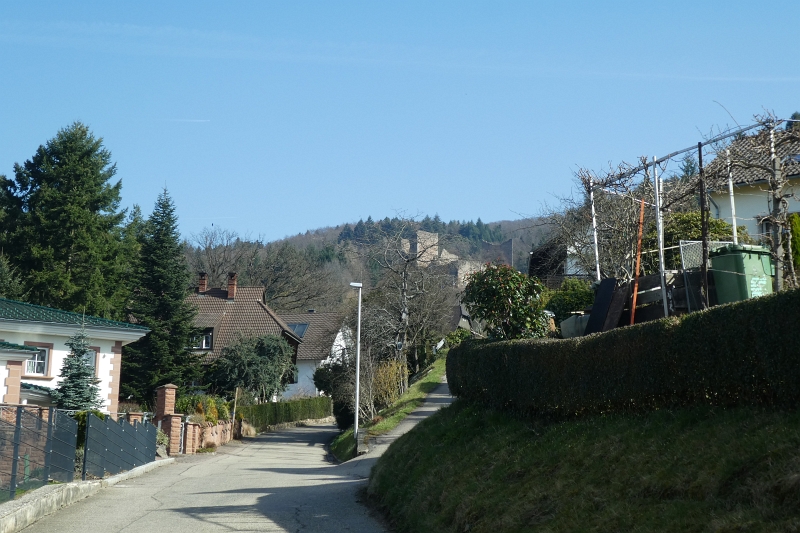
(246, 315)
(319, 336)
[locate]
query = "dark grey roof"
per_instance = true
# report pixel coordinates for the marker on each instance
(751, 159)
(318, 337)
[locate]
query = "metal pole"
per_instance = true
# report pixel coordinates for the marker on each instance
(594, 230)
(703, 227)
(48, 447)
(358, 362)
(15, 454)
(777, 207)
(660, 230)
(730, 193)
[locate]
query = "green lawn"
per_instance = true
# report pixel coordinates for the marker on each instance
(343, 446)
(471, 469)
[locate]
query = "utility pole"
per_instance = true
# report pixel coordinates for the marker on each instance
(730, 193)
(660, 231)
(594, 229)
(776, 188)
(703, 227)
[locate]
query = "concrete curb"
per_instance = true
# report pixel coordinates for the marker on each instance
(19, 514)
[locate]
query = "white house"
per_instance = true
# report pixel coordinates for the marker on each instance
(750, 164)
(322, 338)
(33, 349)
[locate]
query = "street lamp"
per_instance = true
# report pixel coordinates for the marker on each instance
(358, 360)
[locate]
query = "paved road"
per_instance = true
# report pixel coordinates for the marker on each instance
(276, 482)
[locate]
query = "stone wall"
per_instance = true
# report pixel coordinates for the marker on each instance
(195, 436)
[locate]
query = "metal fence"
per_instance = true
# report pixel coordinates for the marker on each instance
(691, 261)
(35, 445)
(112, 447)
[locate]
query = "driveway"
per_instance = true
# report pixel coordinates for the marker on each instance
(280, 481)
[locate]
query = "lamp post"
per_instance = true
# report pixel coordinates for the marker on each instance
(358, 360)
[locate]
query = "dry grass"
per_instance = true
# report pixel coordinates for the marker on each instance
(343, 446)
(705, 469)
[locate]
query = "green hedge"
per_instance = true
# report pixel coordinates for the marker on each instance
(269, 414)
(746, 353)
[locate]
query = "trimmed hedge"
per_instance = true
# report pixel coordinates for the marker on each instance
(747, 353)
(268, 414)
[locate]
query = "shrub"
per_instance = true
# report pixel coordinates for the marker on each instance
(508, 301)
(211, 408)
(269, 414)
(389, 375)
(162, 439)
(573, 295)
(738, 354)
(454, 338)
(129, 407)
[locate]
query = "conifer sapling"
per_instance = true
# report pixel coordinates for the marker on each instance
(78, 388)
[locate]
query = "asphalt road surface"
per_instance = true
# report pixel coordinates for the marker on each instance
(275, 482)
(280, 481)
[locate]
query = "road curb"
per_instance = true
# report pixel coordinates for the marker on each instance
(19, 514)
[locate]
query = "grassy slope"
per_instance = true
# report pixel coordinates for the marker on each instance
(343, 446)
(470, 469)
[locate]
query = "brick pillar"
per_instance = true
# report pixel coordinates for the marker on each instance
(13, 381)
(116, 368)
(165, 401)
(171, 425)
(135, 417)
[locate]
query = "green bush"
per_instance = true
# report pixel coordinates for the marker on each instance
(573, 295)
(739, 354)
(212, 408)
(268, 414)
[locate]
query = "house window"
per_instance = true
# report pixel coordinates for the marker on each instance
(37, 365)
(203, 342)
(91, 358)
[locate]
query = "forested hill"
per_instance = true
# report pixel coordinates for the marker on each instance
(471, 231)
(464, 237)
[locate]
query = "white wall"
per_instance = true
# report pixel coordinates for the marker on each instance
(59, 353)
(751, 203)
(305, 381)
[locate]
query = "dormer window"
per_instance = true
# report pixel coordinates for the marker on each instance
(204, 341)
(298, 329)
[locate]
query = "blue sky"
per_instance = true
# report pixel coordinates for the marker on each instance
(273, 118)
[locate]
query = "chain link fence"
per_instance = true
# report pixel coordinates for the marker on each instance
(692, 261)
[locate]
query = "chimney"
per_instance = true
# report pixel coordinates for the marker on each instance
(202, 284)
(231, 285)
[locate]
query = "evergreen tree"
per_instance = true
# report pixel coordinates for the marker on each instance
(78, 388)
(158, 302)
(10, 283)
(61, 225)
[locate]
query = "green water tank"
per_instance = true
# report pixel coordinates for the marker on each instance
(741, 271)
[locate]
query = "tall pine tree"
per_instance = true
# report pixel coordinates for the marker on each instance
(158, 302)
(78, 388)
(62, 225)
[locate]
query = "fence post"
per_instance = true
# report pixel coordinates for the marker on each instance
(48, 447)
(15, 456)
(85, 446)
